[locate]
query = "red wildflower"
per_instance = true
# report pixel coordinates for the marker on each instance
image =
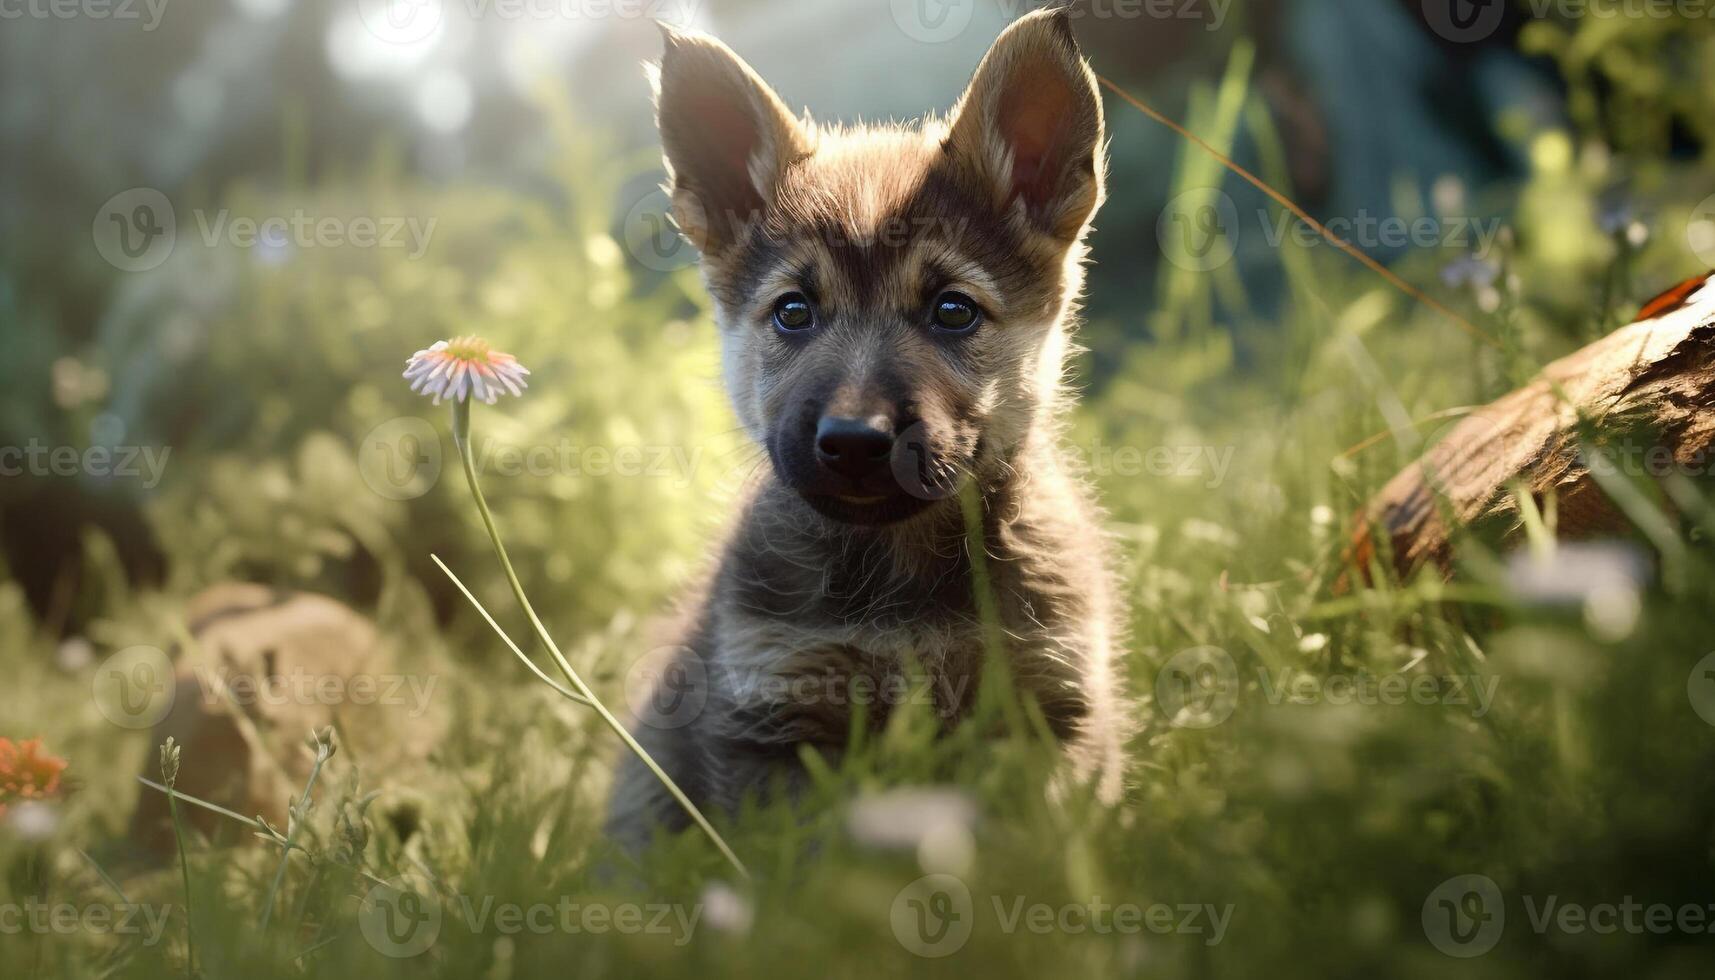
(26, 772)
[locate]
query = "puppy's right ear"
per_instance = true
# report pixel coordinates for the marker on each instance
(727, 138)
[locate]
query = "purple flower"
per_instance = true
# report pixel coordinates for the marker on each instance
(1470, 270)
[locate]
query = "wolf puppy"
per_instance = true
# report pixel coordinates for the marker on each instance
(894, 306)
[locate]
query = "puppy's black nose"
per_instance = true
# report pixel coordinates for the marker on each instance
(854, 448)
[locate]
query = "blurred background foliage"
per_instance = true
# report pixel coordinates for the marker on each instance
(524, 145)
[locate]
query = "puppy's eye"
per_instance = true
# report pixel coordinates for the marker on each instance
(793, 312)
(956, 313)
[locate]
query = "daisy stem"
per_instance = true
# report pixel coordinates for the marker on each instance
(185, 872)
(461, 437)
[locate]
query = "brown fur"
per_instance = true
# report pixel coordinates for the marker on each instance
(815, 586)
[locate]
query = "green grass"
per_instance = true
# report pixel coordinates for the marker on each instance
(1324, 826)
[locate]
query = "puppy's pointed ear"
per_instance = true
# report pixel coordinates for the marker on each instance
(727, 137)
(1030, 126)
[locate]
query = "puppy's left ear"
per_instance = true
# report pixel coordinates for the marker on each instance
(1030, 126)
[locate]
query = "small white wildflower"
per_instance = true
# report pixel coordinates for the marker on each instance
(1573, 572)
(1312, 642)
(74, 654)
(948, 849)
(1612, 614)
(1201, 531)
(33, 820)
(725, 910)
(465, 367)
(936, 823)
(1604, 578)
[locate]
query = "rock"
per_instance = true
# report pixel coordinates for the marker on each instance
(265, 669)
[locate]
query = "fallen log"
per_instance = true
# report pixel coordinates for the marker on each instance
(1643, 396)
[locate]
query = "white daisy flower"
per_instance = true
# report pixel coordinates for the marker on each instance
(465, 367)
(725, 910)
(934, 822)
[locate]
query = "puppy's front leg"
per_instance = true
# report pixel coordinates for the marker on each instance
(762, 774)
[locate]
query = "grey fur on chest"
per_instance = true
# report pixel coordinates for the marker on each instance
(796, 641)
